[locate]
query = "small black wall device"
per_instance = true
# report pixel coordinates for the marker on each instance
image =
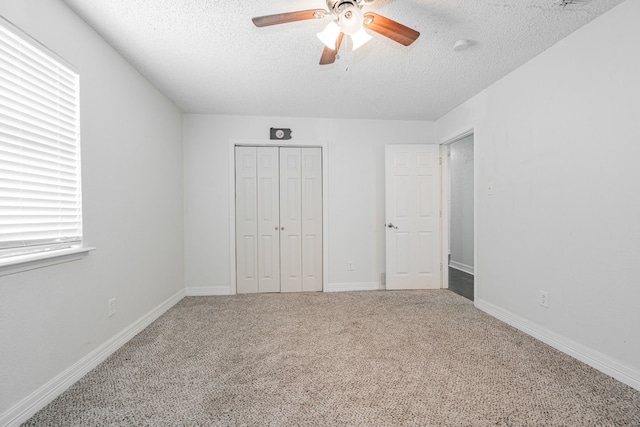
(280, 133)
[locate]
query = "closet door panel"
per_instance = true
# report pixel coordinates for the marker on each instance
(311, 219)
(246, 221)
(290, 220)
(268, 219)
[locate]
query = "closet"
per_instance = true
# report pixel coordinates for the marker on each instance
(278, 219)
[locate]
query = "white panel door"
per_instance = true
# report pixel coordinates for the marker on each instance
(412, 210)
(246, 221)
(290, 220)
(268, 219)
(311, 219)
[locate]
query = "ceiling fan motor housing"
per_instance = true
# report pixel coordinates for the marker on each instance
(349, 13)
(337, 6)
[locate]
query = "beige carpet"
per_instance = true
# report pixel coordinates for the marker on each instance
(363, 358)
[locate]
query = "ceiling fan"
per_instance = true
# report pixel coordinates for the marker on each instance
(347, 18)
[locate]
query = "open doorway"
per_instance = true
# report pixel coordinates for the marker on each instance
(460, 204)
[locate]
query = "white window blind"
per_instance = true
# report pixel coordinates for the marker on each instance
(40, 194)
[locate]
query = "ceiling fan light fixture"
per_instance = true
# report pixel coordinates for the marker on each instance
(360, 38)
(346, 18)
(329, 35)
(351, 20)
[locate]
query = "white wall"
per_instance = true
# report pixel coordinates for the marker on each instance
(559, 140)
(461, 188)
(132, 185)
(356, 192)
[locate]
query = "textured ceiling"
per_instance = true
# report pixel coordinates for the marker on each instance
(208, 57)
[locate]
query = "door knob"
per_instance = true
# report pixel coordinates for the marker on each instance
(282, 228)
(390, 225)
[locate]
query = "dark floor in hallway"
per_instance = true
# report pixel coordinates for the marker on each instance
(461, 283)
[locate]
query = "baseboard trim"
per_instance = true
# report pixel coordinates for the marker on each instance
(621, 372)
(27, 407)
(208, 291)
(462, 267)
(346, 287)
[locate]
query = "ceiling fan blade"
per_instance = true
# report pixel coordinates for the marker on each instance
(329, 55)
(389, 28)
(283, 18)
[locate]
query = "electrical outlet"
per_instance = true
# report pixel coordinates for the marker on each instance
(111, 307)
(350, 265)
(544, 298)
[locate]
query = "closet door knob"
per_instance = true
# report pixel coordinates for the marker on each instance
(276, 228)
(282, 228)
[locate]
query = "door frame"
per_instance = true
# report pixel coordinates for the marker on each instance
(444, 170)
(233, 143)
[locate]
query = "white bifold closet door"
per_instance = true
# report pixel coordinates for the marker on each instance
(278, 219)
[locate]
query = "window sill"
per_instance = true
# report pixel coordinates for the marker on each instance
(21, 263)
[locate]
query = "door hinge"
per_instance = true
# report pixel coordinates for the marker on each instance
(440, 213)
(440, 266)
(440, 160)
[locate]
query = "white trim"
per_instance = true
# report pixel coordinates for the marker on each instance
(37, 43)
(476, 199)
(462, 267)
(456, 136)
(232, 205)
(197, 291)
(444, 216)
(17, 264)
(232, 216)
(27, 407)
(348, 287)
(621, 372)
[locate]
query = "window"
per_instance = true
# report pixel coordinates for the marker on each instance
(40, 193)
